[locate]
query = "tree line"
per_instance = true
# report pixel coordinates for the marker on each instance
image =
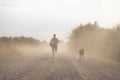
(96, 40)
(10, 46)
(19, 41)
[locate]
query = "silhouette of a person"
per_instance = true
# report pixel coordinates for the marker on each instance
(54, 44)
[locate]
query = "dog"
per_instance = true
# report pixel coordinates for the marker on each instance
(81, 53)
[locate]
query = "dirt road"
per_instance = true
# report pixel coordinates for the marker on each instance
(46, 67)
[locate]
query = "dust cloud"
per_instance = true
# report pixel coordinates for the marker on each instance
(96, 41)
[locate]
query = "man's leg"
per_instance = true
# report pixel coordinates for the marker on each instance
(55, 48)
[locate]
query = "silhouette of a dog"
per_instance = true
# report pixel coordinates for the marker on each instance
(81, 53)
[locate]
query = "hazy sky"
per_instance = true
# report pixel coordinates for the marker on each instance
(42, 18)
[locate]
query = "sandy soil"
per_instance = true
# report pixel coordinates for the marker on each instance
(45, 67)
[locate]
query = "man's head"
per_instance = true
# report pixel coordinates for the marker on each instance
(54, 35)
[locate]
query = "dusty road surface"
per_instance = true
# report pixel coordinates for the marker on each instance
(45, 67)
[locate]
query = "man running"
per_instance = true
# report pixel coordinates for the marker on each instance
(53, 43)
